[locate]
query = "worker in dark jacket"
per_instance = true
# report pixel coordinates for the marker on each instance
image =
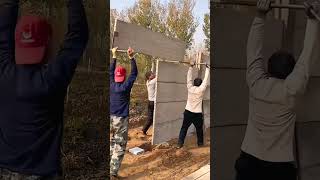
(120, 90)
(32, 90)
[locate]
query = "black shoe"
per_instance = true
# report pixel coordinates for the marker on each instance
(179, 146)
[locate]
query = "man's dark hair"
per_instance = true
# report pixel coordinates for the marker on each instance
(281, 64)
(148, 74)
(197, 82)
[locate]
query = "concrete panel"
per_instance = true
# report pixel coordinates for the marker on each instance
(148, 42)
(169, 111)
(206, 112)
(167, 131)
(308, 109)
(207, 94)
(171, 92)
(230, 39)
(230, 97)
(171, 72)
(227, 144)
(308, 147)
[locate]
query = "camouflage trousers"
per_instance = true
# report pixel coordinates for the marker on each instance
(9, 175)
(118, 143)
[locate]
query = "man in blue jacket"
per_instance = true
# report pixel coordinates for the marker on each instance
(32, 90)
(120, 90)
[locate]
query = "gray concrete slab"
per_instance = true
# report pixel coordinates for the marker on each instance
(170, 111)
(230, 39)
(166, 131)
(308, 135)
(230, 94)
(227, 144)
(171, 72)
(171, 92)
(148, 42)
(308, 109)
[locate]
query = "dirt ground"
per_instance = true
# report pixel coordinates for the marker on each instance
(163, 162)
(85, 141)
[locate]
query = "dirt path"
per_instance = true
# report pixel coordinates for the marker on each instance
(163, 163)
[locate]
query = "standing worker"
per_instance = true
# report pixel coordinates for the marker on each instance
(193, 113)
(32, 90)
(151, 87)
(120, 90)
(267, 148)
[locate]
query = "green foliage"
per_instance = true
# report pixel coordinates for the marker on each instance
(206, 30)
(181, 22)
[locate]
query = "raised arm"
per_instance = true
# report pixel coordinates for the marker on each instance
(297, 81)
(61, 70)
(112, 69)
(205, 81)
(133, 74)
(255, 67)
(189, 78)
(8, 21)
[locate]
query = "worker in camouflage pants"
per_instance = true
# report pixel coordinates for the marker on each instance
(120, 90)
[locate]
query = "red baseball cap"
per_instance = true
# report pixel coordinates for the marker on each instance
(120, 74)
(31, 39)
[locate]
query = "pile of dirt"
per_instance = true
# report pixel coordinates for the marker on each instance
(167, 162)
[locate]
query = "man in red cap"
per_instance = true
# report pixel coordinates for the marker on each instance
(32, 90)
(120, 90)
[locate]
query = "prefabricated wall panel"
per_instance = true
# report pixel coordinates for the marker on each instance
(171, 100)
(230, 39)
(145, 41)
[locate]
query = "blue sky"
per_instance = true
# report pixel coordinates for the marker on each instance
(199, 10)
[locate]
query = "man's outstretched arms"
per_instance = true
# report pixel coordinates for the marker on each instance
(8, 21)
(61, 70)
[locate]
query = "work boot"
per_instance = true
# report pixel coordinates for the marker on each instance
(179, 146)
(144, 133)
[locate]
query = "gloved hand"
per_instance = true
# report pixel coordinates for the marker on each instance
(263, 6)
(312, 5)
(130, 52)
(114, 52)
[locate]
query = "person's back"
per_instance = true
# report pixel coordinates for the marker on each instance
(32, 92)
(271, 121)
(267, 148)
(196, 91)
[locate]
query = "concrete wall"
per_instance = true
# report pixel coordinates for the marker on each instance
(171, 100)
(230, 91)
